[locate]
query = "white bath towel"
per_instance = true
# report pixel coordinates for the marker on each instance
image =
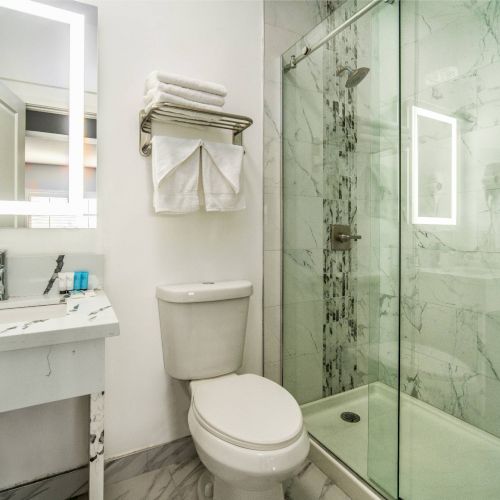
(159, 97)
(189, 94)
(222, 179)
(184, 81)
(176, 167)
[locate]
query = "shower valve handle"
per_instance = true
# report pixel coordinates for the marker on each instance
(348, 237)
(341, 237)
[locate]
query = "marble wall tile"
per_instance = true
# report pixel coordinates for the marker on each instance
(297, 16)
(303, 225)
(487, 337)
(303, 377)
(272, 285)
(284, 24)
(272, 221)
(303, 119)
(303, 323)
(277, 39)
(272, 343)
(272, 110)
(302, 275)
(309, 74)
(304, 164)
(272, 166)
(454, 49)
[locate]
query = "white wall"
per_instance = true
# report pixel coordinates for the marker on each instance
(219, 41)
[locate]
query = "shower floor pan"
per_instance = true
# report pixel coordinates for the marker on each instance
(441, 457)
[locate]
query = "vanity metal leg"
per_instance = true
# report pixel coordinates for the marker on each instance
(96, 447)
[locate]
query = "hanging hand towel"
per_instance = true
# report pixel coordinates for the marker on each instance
(184, 81)
(189, 94)
(176, 167)
(222, 181)
(156, 97)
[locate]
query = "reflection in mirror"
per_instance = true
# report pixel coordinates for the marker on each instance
(40, 159)
(434, 167)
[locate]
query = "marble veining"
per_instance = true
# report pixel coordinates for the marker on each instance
(285, 22)
(451, 275)
(86, 318)
(311, 484)
(58, 269)
(340, 328)
(96, 446)
(168, 471)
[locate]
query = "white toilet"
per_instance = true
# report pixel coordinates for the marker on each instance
(248, 431)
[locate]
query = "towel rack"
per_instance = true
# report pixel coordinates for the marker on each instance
(173, 113)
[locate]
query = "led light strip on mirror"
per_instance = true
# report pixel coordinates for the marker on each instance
(76, 23)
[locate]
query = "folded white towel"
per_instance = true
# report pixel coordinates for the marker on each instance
(158, 97)
(191, 95)
(221, 172)
(176, 168)
(184, 81)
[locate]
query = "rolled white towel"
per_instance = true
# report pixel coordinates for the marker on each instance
(158, 97)
(184, 81)
(191, 95)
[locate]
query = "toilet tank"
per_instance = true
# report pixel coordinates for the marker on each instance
(203, 327)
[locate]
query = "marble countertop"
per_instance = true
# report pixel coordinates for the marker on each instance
(86, 318)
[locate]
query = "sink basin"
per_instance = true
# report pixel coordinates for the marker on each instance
(15, 310)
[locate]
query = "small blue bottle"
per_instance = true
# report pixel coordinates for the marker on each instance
(84, 280)
(77, 282)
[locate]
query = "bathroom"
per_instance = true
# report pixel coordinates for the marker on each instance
(340, 298)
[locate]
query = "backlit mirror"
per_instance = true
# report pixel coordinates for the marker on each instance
(48, 120)
(434, 167)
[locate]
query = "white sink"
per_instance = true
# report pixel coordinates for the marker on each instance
(29, 309)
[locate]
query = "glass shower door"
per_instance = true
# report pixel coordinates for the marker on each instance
(450, 295)
(340, 176)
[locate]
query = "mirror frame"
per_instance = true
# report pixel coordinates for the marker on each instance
(76, 24)
(416, 112)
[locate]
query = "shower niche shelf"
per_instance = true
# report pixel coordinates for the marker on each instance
(183, 115)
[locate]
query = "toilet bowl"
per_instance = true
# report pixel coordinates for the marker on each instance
(248, 431)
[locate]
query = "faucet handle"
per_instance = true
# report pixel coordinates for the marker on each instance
(341, 237)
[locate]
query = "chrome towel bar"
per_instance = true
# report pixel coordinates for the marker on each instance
(183, 115)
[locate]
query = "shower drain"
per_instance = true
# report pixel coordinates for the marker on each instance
(350, 416)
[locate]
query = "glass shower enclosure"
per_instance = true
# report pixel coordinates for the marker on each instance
(391, 243)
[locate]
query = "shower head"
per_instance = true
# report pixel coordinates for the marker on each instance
(355, 75)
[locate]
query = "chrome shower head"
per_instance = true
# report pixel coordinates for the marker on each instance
(355, 75)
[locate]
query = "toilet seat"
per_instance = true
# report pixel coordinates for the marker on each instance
(248, 411)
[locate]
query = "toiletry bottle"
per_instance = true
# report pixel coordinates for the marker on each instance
(62, 282)
(70, 278)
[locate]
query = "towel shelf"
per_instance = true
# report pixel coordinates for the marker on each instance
(172, 113)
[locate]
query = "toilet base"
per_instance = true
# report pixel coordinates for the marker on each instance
(225, 491)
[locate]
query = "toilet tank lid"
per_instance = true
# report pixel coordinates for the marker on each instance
(207, 291)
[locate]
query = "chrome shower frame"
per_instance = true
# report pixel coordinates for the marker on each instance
(306, 51)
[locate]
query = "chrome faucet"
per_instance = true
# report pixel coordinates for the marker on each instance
(3, 275)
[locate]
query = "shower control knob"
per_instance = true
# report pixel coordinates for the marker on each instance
(341, 237)
(348, 237)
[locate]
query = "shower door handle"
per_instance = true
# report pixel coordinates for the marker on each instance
(341, 237)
